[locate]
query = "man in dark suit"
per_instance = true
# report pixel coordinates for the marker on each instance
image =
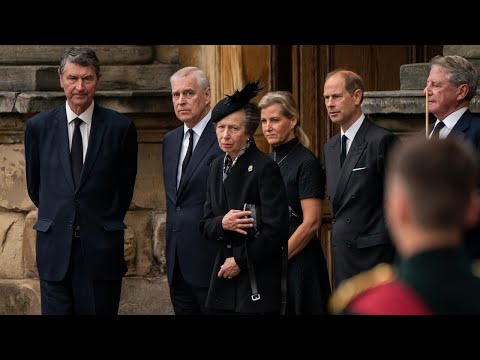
(81, 164)
(451, 84)
(355, 189)
(187, 153)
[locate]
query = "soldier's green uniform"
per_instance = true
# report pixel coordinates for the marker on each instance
(434, 282)
(444, 280)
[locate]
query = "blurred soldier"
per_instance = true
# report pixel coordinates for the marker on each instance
(430, 198)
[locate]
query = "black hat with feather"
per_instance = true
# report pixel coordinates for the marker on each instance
(238, 100)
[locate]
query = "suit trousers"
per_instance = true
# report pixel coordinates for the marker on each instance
(77, 293)
(186, 298)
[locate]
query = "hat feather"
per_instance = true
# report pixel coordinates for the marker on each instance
(248, 92)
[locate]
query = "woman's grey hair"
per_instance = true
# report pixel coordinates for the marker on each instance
(459, 71)
(289, 109)
(252, 119)
(202, 79)
(80, 56)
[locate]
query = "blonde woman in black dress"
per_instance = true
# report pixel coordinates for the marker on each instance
(308, 286)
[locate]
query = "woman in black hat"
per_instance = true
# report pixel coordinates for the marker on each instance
(248, 268)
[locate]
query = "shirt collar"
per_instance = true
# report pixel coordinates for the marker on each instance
(86, 116)
(352, 130)
(198, 129)
(451, 120)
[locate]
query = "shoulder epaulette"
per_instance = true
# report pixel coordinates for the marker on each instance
(351, 288)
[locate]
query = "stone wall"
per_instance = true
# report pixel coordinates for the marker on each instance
(135, 81)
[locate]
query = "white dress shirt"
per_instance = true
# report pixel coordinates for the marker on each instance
(85, 127)
(450, 121)
(352, 131)
(197, 132)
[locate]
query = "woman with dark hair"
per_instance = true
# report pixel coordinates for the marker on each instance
(308, 284)
(245, 214)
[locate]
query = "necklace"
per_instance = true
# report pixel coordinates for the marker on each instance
(275, 154)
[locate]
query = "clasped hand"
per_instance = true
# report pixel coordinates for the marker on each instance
(229, 269)
(237, 220)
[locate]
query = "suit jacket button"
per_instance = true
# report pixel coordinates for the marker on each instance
(349, 245)
(348, 220)
(333, 221)
(353, 196)
(229, 246)
(178, 208)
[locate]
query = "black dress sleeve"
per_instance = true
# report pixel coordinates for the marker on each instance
(311, 180)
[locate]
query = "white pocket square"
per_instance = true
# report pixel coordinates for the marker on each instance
(357, 169)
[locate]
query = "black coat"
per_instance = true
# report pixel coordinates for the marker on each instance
(254, 179)
(355, 194)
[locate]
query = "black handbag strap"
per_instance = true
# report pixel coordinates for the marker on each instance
(283, 285)
(251, 274)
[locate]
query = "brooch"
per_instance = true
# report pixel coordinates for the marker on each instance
(250, 168)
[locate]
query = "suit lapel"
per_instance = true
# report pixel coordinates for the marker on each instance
(462, 124)
(94, 141)
(61, 135)
(355, 152)
(173, 163)
(332, 159)
(205, 142)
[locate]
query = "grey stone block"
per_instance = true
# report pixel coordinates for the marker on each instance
(467, 51)
(19, 297)
(154, 101)
(145, 296)
(115, 77)
(414, 76)
(7, 101)
(51, 54)
(26, 78)
(385, 102)
(137, 77)
(402, 102)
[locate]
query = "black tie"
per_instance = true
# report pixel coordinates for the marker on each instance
(343, 153)
(188, 155)
(76, 153)
(436, 131)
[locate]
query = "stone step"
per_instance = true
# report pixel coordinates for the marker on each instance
(20, 297)
(137, 77)
(402, 102)
(140, 296)
(148, 101)
(414, 76)
(51, 54)
(471, 52)
(114, 77)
